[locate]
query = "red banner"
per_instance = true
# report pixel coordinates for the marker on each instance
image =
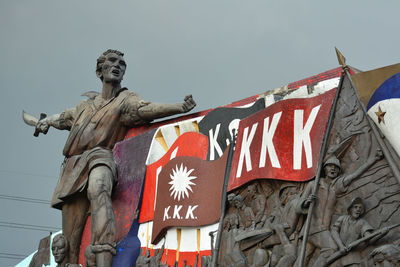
(189, 194)
(282, 142)
(188, 144)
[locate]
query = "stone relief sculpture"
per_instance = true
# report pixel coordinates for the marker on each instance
(245, 214)
(356, 206)
(330, 187)
(386, 256)
(284, 221)
(348, 228)
(89, 171)
(143, 259)
(258, 202)
(261, 258)
(42, 255)
(233, 255)
(153, 261)
(59, 249)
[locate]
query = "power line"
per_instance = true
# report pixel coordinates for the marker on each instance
(12, 257)
(13, 254)
(25, 199)
(28, 226)
(43, 176)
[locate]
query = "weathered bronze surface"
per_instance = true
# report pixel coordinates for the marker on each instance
(356, 213)
(60, 249)
(89, 172)
(42, 256)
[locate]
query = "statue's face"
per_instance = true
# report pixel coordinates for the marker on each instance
(59, 250)
(331, 170)
(286, 194)
(230, 198)
(251, 190)
(113, 68)
(238, 203)
(356, 211)
(381, 261)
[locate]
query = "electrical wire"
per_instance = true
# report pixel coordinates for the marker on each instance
(25, 199)
(28, 226)
(12, 256)
(44, 176)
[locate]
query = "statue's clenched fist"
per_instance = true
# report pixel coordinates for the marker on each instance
(189, 103)
(43, 126)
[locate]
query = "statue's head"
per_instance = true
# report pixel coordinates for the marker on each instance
(230, 198)
(332, 167)
(238, 201)
(286, 191)
(111, 66)
(356, 208)
(261, 257)
(386, 256)
(252, 190)
(59, 248)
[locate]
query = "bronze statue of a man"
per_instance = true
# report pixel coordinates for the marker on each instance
(89, 171)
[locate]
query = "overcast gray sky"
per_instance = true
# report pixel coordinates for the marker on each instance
(219, 51)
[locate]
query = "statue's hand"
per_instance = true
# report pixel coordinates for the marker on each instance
(378, 154)
(385, 230)
(189, 103)
(344, 250)
(43, 126)
(309, 199)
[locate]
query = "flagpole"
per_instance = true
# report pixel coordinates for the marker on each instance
(147, 237)
(178, 237)
(318, 174)
(198, 247)
(215, 253)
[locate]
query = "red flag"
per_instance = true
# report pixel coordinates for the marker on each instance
(188, 144)
(283, 141)
(189, 194)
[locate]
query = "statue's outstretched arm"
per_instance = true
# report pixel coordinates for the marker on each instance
(348, 179)
(160, 110)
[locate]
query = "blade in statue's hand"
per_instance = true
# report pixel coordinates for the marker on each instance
(29, 119)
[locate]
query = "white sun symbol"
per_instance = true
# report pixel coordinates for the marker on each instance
(181, 182)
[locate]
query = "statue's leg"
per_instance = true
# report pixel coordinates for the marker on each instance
(74, 215)
(102, 214)
(309, 251)
(327, 245)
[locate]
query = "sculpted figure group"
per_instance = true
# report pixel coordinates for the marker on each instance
(89, 172)
(266, 230)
